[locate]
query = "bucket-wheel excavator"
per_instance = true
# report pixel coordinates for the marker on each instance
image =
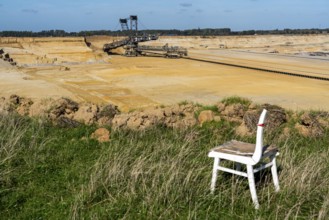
(131, 43)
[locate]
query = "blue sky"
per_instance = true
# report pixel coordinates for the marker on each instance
(68, 15)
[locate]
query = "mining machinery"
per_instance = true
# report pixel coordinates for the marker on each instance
(133, 23)
(131, 43)
(164, 51)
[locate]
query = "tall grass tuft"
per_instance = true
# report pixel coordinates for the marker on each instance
(12, 132)
(236, 100)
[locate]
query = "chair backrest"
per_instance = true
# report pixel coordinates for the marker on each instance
(259, 138)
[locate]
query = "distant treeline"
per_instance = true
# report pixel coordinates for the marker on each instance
(173, 32)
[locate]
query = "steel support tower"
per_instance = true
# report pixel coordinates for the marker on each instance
(133, 23)
(124, 24)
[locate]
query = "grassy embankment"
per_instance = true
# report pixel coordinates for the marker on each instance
(47, 172)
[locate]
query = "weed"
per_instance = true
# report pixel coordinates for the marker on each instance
(201, 108)
(185, 102)
(210, 107)
(236, 100)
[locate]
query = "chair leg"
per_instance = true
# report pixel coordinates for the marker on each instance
(275, 175)
(252, 187)
(214, 174)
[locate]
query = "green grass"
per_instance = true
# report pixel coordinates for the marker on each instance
(236, 100)
(49, 172)
(201, 108)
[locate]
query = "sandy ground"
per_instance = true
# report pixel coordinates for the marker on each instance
(138, 82)
(311, 66)
(15, 81)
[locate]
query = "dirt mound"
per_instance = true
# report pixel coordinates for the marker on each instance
(313, 124)
(101, 135)
(248, 115)
(276, 116)
(63, 106)
(63, 111)
(67, 113)
(234, 112)
(176, 116)
(207, 116)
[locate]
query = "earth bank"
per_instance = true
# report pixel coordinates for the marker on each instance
(67, 113)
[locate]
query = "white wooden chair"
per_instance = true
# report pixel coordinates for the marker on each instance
(248, 154)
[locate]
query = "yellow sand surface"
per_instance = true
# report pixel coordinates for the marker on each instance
(54, 67)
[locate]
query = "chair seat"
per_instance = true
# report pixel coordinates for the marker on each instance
(243, 149)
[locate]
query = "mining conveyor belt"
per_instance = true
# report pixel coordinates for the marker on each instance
(261, 69)
(116, 44)
(167, 51)
(132, 40)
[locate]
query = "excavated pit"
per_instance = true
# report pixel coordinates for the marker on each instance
(67, 67)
